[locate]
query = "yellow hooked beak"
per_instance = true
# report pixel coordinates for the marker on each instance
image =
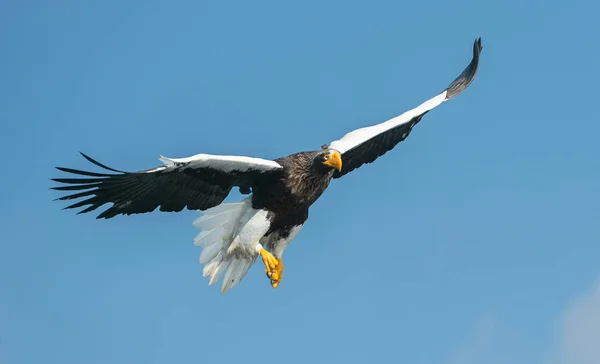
(334, 160)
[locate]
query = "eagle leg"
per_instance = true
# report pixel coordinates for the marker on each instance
(276, 276)
(273, 267)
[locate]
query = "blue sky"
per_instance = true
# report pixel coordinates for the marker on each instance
(475, 241)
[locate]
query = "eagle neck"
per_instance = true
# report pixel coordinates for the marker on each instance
(306, 183)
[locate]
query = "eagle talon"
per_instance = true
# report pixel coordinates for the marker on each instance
(273, 267)
(268, 260)
(277, 274)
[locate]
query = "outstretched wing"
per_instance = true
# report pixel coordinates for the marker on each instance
(365, 145)
(198, 182)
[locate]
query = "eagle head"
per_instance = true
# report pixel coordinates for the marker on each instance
(330, 158)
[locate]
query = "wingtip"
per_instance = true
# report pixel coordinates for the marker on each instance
(92, 160)
(85, 155)
(468, 75)
(477, 47)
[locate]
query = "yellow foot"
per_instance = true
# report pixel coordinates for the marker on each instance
(276, 276)
(273, 267)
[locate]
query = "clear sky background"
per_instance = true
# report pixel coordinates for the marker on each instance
(477, 240)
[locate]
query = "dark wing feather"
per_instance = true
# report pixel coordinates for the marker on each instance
(172, 188)
(369, 150)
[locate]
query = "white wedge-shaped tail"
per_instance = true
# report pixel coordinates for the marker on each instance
(230, 240)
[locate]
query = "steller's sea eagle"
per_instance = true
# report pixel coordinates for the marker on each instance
(280, 191)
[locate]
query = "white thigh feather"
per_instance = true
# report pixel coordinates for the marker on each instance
(230, 240)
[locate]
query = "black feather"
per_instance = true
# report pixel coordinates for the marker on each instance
(170, 188)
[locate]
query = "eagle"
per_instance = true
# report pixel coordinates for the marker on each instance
(277, 194)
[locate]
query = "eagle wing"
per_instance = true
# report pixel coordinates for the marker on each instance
(198, 182)
(366, 144)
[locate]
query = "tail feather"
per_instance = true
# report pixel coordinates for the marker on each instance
(209, 268)
(207, 238)
(209, 222)
(224, 207)
(236, 271)
(210, 252)
(223, 265)
(222, 225)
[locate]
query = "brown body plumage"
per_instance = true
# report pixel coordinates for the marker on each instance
(290, 193)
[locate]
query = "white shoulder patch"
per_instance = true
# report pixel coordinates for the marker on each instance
(224, 163)
(359, 136)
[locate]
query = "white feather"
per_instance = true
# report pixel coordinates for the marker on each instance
(359, 136)
(224, 207)
(209, 237)
(218, 272)
(281, 244)
(210, 252)
(230, 240)
(156, 169)
(253, 225)
(225, 163)
(237, 269)
(209, 222)
(209, 268)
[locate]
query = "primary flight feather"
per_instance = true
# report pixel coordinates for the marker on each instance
(280, 192)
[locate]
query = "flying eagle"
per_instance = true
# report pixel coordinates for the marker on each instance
(280, 192)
